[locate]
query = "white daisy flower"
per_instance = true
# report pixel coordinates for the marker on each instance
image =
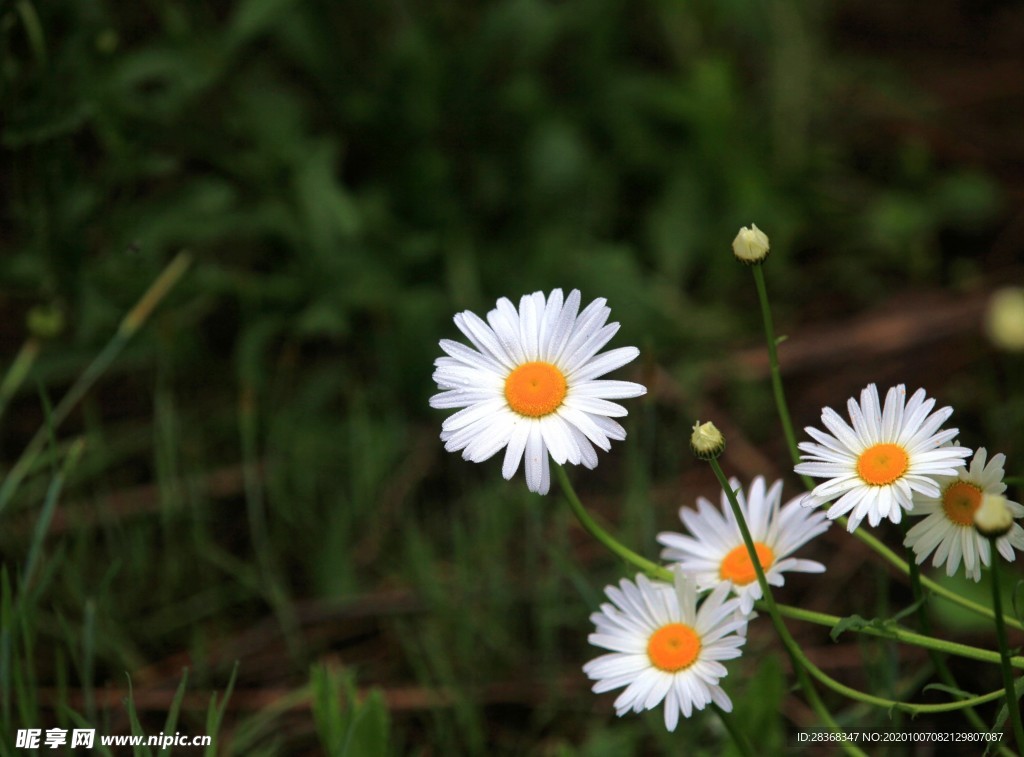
(948, 530)
(530, 386)
(663, 648)
(874, 468)
(715, 553)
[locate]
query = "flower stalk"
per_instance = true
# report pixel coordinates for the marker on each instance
(1012, 705)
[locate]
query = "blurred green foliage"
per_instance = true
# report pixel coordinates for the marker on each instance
(348, 175)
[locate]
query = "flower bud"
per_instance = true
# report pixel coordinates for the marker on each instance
(706, 441)
(45, 321)
(751, 245)
(993, 518)
(1004, 319)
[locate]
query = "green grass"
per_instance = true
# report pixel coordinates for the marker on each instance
(238, 474)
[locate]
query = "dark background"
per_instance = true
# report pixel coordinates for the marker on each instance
(262, 481)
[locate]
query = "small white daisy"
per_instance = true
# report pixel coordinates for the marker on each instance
(874, 468)
(530, 385)
(663, 648)
(715, 553)
(948, 529)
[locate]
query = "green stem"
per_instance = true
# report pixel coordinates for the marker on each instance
(1004, 651)
(902, 635)
(926, 582)
(776, 372)
(738, 737)
(787, 429)
(659, 572)
(801, 665)
(938, 661)
(797, 653)
(614, 545)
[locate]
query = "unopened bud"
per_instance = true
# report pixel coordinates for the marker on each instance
(1004, 319)
(751, 245)
(993, 518)
(45, 321)
(706, 441)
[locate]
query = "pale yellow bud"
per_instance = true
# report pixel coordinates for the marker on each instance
(993, 518)
(751, 245)
(706, 441)
(1004, 319)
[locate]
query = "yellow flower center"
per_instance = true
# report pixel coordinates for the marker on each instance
(960, 500)
(882, 464)
(535, 389)
(739, 568)
(673, 647)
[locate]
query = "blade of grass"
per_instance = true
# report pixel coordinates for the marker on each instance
(129, 326)
(88, 657)
(46, 514)
(20, 367)
(172, 714)
(139, 750)
(81, 722)
(215, 714)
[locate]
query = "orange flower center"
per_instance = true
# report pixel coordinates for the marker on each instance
(882, 464)
(535, 389)
(960, 500)
(739, 568)
(673, 647)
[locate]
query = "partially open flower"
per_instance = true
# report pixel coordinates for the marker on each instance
(950, 529)
(751, 245)
(714, 553)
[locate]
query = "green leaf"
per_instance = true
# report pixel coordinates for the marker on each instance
(1003, 714)
(856, 622)
(958, 693)
(139, 750)
(849, 623)
(346, 726)
(215, 714)
(172, 715)
(252, 18)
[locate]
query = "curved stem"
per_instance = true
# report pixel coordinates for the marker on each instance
(901, 635)
(798, 654)
(1011, 695)
(926, 582)
(787, 429)
(614, 545)
(657, 571)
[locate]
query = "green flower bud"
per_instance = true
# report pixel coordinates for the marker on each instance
(45, 321)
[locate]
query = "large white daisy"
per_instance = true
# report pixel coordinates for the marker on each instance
(948, 529)
(663, 648)
(875, 467)
(715, 553)
(530, 386)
